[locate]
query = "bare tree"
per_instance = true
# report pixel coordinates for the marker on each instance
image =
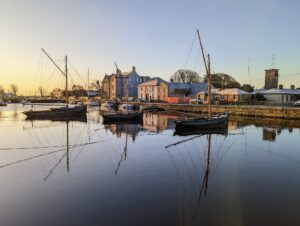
(185, 76)
(14, 88)
(221, 80)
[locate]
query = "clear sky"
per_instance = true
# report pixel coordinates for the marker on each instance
(155, 36)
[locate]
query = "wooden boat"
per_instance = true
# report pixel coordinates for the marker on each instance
(119, 117)
(63, 113)
(204, 122)
(209, 122)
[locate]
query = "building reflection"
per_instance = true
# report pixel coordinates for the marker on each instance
(158, 122)
(127, 129)
(269, 134)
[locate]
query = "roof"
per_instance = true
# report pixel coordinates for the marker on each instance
(228, 91)
(277, 91)
(153, 82)
(233, 91)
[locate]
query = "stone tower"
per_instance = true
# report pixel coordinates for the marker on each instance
(271, 78)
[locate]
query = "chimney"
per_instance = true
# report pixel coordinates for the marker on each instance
(292, 86)
(133, 68)
(280, 86)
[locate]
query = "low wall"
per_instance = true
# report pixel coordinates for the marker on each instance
(248, 111)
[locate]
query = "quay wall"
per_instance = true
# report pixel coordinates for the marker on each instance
(247, 111)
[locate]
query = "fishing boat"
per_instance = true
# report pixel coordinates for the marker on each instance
(210, 122)
(63, 113)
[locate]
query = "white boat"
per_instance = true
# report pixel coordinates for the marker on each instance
(127, 107)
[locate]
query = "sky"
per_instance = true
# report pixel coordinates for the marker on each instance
(157, 37)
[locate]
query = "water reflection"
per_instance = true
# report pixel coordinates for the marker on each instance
(141, 174)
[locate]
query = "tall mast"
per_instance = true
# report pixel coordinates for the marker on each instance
(207, 68)
(88, 82)
(66, 74)
(209, 87)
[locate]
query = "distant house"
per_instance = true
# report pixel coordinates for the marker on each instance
(154, 89)
(120, 84)
(279, 95)
(225, 95)
(158, 89)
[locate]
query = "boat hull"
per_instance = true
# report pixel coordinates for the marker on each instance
(203, 123)
(57, 113)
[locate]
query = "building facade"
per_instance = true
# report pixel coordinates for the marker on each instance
(154, 90)
(158, 89)
(279, 95)
(122, 84)
(225, 95)
(271, 78)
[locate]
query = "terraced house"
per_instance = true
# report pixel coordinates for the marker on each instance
(120, 84)
(158, 89)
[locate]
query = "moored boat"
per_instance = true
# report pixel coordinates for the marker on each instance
(119, 117)
(209, 122)
(204, 122)
(63, 113)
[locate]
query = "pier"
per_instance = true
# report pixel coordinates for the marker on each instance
(234, 110)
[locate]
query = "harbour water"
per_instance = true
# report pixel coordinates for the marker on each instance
(87, 173)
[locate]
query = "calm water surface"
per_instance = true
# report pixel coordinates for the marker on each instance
(133, 175)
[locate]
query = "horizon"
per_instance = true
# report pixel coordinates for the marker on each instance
(156, 37)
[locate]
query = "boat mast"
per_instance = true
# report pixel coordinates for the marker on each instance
(209, 87)
(66, 74)
(207, 68)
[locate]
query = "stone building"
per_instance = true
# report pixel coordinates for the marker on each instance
(271, 78)
(121, 83)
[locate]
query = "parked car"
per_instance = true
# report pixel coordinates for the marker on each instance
(196, 101)
(297, 103)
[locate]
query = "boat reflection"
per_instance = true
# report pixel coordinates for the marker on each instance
(188, 132)
(194, 168)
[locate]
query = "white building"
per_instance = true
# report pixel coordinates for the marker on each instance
(279, 95)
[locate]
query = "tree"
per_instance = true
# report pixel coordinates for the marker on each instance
(14, 88)
(247, 87)
(185, 76)
(96, 85)
(221, 80)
